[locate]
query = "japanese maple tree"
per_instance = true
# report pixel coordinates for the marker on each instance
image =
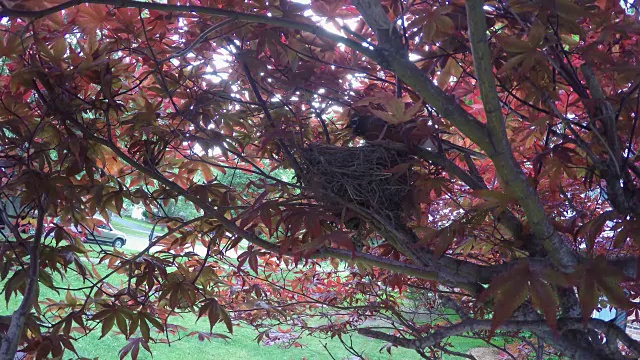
(519, 234)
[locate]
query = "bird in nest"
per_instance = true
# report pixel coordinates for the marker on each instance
(416, 132)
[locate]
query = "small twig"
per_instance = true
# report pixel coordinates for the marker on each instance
(324, 345)
(267, 113)
(202, 37)
(455, 353)
(633, 131)
(323, 123)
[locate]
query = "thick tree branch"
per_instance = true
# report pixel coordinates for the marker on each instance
(472, 325)
(511, 175)
(606, 115)
(451, 168)
(392, 55)
(451, 272)
(191, 9)
(12, 338)
(622, 193)
(612, 328)
(396, 266)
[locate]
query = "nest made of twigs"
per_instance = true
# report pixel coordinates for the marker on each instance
(370, 176)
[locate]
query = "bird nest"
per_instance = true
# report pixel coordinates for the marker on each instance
(369, 176)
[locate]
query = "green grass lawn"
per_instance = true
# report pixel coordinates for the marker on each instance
(241, 345)
(159, 230)
(145, 224)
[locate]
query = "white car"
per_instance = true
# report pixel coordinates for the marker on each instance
(106, 234)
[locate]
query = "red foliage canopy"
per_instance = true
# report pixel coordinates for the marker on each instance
(105, 103)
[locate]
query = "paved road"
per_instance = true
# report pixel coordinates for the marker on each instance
(138, 235)
(124, 222)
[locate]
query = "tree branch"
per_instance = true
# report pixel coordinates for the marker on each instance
(471, 325)
(457, 273)
(607, 116)
(398, 61)
(505, 217)
(191, 9)
(392, 55)
(511, 175)
(11, 339)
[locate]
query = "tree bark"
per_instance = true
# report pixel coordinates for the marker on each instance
(11, 339)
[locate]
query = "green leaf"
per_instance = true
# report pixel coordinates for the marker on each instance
(122, 323)
(133, 325)
(107, 324)
(144, 330)
(226, 319)
(213, 314)
(154, 321)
